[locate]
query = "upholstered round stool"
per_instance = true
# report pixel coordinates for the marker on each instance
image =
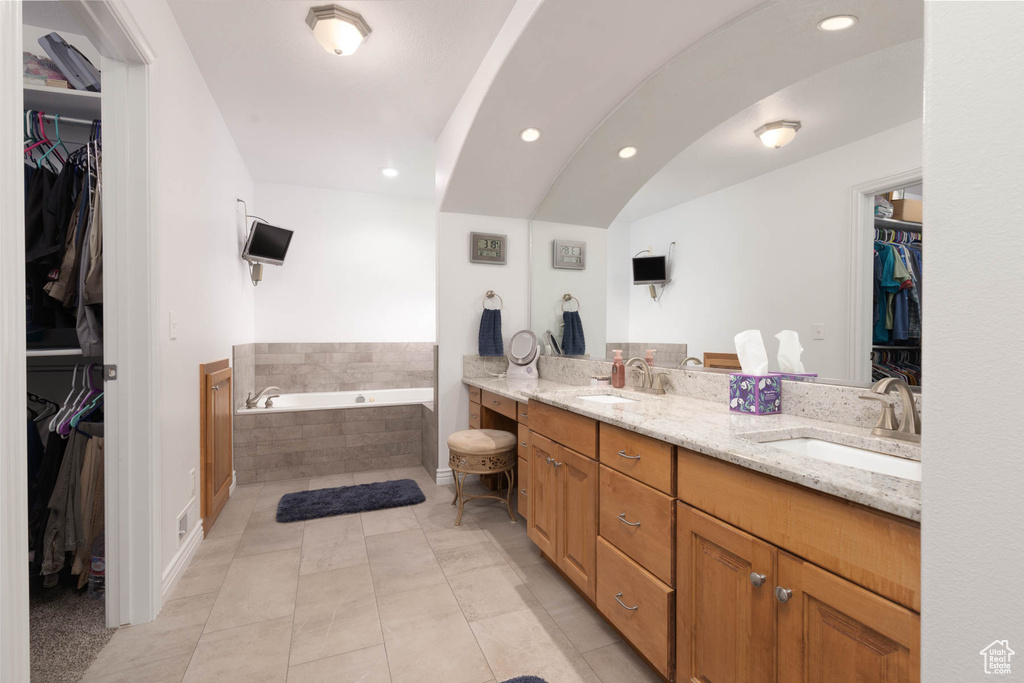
(481, 451)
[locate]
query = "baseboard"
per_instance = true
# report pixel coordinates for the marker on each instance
(234, 483)
(181, 559)
(444, 477)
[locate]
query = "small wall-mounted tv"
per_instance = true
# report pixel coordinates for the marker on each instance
(267, 244)
(650, 270)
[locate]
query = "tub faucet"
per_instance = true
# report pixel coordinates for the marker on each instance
(253, 402)
(909, 428)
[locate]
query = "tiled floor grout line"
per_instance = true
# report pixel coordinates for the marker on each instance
(376, 601)
(295, 605)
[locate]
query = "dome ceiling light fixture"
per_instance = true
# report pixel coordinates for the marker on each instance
(777, 133)
(338, 30)
(530, 134)
(627, 152)
(839, 22)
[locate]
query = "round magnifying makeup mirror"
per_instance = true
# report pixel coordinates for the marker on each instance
(522, 355)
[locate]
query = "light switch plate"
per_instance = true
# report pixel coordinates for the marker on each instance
(172, 325)
(819, 331)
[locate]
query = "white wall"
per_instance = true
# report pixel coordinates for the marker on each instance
(973, 487)
(770, 253)
(620, 282)
(589, 286)
(460, 292)
(199, 275)
(359, 268)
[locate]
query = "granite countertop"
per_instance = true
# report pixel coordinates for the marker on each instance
(710, 428)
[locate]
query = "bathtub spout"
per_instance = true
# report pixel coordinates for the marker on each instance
(253, 402)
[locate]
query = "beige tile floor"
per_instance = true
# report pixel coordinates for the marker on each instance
(397, 595)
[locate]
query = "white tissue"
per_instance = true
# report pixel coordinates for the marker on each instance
(789, 352)
(750, 349)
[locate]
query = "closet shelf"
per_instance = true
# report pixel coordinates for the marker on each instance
(911, 347)
(79, 104)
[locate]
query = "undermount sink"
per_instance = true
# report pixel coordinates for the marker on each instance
(607, 399)
(850, 456)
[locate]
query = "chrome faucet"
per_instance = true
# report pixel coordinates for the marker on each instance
(253, 402)
(686, 361)
(909, 428)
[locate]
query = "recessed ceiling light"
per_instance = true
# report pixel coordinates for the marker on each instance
(338, 30)
(389, 172)
(837, 23)
(530, 134)
(777, 133)
(627, 152)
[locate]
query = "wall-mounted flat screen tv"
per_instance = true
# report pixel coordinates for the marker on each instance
(267, 244)
(649, 270)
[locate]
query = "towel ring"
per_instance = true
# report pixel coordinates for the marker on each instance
(490, 295)
(567, 298)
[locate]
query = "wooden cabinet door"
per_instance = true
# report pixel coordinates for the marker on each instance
(542, 515)
(831, 630)
(577, 518)
(725, 625)
(217, 470)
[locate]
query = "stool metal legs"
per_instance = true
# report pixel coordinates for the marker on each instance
(461, 498)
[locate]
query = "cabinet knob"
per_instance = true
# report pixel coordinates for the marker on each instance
(622, 518)
(783, 594)
(522, 491)
(619, 595)
(550, 460)
(215, 387)
(628, 457)
(523, 444)
(757, 579)
(556, 464)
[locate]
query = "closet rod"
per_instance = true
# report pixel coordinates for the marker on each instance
(61, 368)
(70, 120)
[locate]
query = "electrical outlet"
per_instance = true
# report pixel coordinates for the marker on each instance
(819, 331)
(192, 482)
(172, 325)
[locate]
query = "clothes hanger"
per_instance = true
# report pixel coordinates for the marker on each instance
(52, 426)
(63, 427)
(46, 412)
(59, 143)
(86, 411)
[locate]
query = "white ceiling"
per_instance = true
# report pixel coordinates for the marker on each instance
(762, 53)
(305, 117)
(571, 65)
(837, 106)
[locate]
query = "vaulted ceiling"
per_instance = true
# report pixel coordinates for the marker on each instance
(302, 116)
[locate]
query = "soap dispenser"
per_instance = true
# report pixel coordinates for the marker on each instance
(650, 358)
(618, 370)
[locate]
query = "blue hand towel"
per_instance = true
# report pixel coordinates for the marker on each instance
(490, 333)
(573, 343)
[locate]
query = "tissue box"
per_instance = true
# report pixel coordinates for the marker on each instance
(795, 376)
(755, 394)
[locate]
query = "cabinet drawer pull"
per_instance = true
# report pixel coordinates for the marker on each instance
(523, 414)
(631, 609)
(757, 579)
(783, 594)
(495, 403)
(550, 460)
(523, 491)
(628, 457)
(472, 416)
(523, 444)
(556, 464)
(622, 518)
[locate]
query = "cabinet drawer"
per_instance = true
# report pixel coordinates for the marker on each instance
(523, 413)
(639, 521)
(569, 429)
(474, 416)
(523, 445)
(637, 604)
(474, 395)
(878, 551)
(522, 486)
(498, 404)
(641, 457)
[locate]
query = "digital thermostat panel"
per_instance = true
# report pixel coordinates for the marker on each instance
(485, 248)
(569, 255)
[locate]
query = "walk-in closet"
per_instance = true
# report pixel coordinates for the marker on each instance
(898, 293)
(64, 295)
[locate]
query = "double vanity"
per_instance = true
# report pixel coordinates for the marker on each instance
(722, 547)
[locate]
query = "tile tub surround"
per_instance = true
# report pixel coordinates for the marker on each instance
(709, 427)
(429, 439)
(314, 443)
(243, 372)
(312, 367)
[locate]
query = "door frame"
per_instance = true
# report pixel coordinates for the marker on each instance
(132, 494)
(862, 235)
